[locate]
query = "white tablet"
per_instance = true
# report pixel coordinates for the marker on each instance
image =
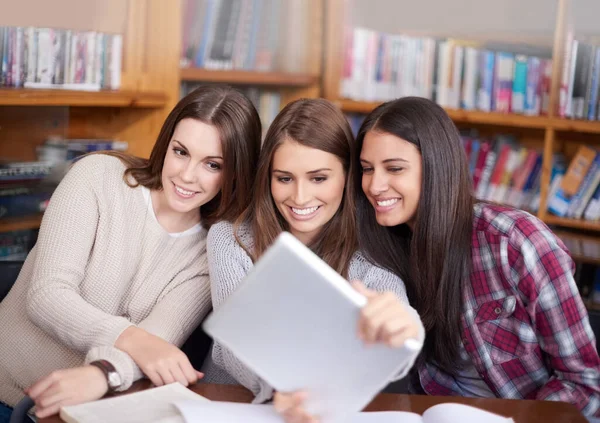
(293, 321)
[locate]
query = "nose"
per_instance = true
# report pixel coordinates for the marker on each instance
(188, 173)
(301, 195)
(378, 183)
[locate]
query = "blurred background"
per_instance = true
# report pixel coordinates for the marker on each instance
(521, 80)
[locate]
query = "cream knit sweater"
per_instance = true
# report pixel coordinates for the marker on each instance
(101, 264)
(229, 263)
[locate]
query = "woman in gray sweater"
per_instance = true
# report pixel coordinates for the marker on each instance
(305, 185)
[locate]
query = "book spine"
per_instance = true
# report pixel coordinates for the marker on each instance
(519, 88)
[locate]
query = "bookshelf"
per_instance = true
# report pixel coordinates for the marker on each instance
(134, 113)
(293, 65)
(549, 133)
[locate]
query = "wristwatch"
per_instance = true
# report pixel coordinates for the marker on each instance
(112, 376)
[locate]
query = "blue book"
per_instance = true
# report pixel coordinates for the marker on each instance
(486, 80)
(594, 91)
(519, 88)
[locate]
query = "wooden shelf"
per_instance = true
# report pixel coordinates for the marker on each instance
(583, 248)
(572, 223)
(20, 223)
(464, 116)
(35, 97)
(239, 77)
(568, 125)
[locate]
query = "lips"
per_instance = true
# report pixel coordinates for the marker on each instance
(304, 213)
(181, 192)
(383, 205)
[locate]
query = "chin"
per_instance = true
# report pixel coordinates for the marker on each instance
(384, 220)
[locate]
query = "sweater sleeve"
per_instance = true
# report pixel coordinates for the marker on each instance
(173, 319)
(63, 248)
(228, 265)
(381, 280)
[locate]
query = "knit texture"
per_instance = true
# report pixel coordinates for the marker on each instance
(228, 265)
(101, 264)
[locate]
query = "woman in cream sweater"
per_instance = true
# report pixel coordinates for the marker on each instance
(119, 276)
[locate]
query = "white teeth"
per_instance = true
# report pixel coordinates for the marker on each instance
(183, 192)
(387, 202)
(306, 211)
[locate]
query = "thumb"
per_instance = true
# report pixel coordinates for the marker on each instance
(362, 289)
(199, 374)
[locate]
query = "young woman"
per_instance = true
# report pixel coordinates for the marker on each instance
(305, 185)
(493, 286)
(119, 276)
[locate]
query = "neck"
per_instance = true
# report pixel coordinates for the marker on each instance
(172, 221)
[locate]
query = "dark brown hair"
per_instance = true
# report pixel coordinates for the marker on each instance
(238, 124)
(434, 259)
(314, 123)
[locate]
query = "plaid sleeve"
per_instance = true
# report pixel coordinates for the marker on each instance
(542, 269)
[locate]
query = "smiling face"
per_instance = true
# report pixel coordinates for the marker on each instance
(307, 186)
(391, 177)
(192, 169)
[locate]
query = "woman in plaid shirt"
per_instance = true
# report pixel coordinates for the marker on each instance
(493, 285)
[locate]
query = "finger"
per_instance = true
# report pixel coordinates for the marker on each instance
(45, 398)
(378, 303)
(284, 401)
(40, 386)
(166, 376)
(199, 374)
(154, 377)
(52, 400)
(298, 415)
(191, 374)
(179, 376)
(372, 316)
(361, 288)
(47, 412)
(384, 324)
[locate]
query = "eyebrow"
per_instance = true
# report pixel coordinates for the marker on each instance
(186, 149)
(387, 160)
(324, 169)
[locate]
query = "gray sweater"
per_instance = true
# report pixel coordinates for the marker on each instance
(228, 265)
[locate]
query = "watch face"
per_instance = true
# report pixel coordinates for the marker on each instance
(114, 380)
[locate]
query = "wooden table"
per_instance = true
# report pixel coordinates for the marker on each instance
(520, 410)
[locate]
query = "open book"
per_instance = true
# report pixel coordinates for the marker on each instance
(227, 412)
(151, 405)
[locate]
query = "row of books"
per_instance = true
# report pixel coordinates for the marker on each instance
(575, 191)
(14, 245)
(580, 246)
(26, 187)
(267, 102)
(504, 172)
(454, 73)
(261, 35)
(580, 81)
(587, 278)
(56, 58)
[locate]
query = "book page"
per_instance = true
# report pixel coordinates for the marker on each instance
(452, 413)
(154, 405)
(227, 412)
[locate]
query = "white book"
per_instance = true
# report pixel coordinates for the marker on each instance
(293, 322)
(151, 405)
(226, 412)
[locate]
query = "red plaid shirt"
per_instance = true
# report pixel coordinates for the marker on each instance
(524, 325)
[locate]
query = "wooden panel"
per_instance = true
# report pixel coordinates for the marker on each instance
(334, 48)
(83, 15)
(572, 223)
(239, 77)
(17, 224)
(35, 97)
(24, 128)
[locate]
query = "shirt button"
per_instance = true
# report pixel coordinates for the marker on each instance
(497, 310)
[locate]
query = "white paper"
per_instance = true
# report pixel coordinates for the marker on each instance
(452, 413)
(151, 405)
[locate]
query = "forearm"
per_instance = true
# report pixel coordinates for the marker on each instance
(124, 365)
(65, 315)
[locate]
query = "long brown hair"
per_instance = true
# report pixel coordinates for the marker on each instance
(238, 124)
(314, 123)
(434, 259)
